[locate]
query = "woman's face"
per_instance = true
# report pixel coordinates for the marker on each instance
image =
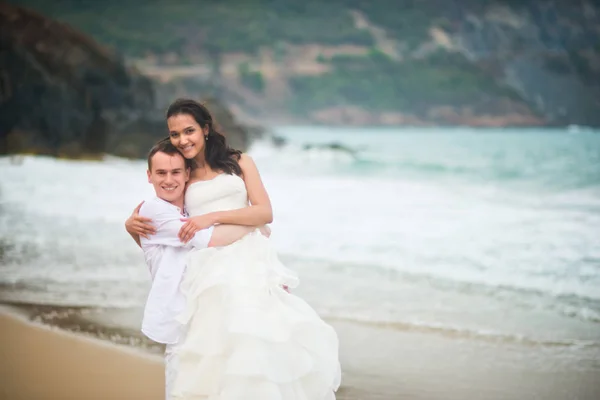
(187, 135)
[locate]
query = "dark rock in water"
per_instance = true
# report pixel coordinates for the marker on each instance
(331, 146)
(62, 94)
(278, 141)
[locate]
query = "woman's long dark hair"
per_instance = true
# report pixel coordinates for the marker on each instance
(219, 156)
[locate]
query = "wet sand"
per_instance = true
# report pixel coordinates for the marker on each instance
(44, 358)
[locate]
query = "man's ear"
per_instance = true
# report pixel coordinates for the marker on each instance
(188, 171)
(149, 173)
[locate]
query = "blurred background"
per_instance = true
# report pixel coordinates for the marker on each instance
(434, 167)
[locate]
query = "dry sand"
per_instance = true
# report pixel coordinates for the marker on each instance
(42, 362)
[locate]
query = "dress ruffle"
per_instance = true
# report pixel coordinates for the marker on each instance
(247, 338)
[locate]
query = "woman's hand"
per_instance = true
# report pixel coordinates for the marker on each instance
(139, 226)
(195, 224)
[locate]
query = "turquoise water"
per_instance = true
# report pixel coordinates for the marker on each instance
(535, 158)
(486, 234)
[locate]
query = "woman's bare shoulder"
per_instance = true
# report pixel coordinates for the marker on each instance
(246, 161)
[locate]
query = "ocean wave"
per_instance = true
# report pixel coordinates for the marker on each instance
(577, 305)
(456, 332)
(350, 158)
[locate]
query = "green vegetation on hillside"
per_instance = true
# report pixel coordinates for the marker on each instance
(407, 21)
(377, 82)
(138, 27)
(213, 28)
(251, 79)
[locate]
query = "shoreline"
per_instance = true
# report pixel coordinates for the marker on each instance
(67, 354)
(70, 352)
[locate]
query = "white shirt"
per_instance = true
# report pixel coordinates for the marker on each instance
(165, 256)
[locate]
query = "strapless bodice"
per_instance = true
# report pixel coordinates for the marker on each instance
(223, 192)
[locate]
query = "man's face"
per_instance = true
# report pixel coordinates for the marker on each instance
(168, 175)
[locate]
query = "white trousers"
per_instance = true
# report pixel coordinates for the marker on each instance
(170, 369)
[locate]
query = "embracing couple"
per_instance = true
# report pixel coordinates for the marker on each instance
(219, 297)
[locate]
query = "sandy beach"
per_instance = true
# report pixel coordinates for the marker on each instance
(42, 361)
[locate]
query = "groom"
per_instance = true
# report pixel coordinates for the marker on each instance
(165, 254)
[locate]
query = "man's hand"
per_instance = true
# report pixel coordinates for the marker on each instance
(195, 224)
(139, 226)
(265, 230)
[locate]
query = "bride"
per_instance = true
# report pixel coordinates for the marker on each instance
(246, 336)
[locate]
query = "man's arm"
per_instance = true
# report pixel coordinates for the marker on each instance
(168, 223)
(214, 236)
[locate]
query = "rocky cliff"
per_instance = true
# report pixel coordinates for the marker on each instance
(548, 51)
(63, 94)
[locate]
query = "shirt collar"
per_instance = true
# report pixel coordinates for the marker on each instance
(179, 210)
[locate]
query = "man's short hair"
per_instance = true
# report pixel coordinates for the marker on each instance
(165, 146)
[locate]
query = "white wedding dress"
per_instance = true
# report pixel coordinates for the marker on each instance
(247, 338)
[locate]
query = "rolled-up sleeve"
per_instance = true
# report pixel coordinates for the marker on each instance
(168, 223)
